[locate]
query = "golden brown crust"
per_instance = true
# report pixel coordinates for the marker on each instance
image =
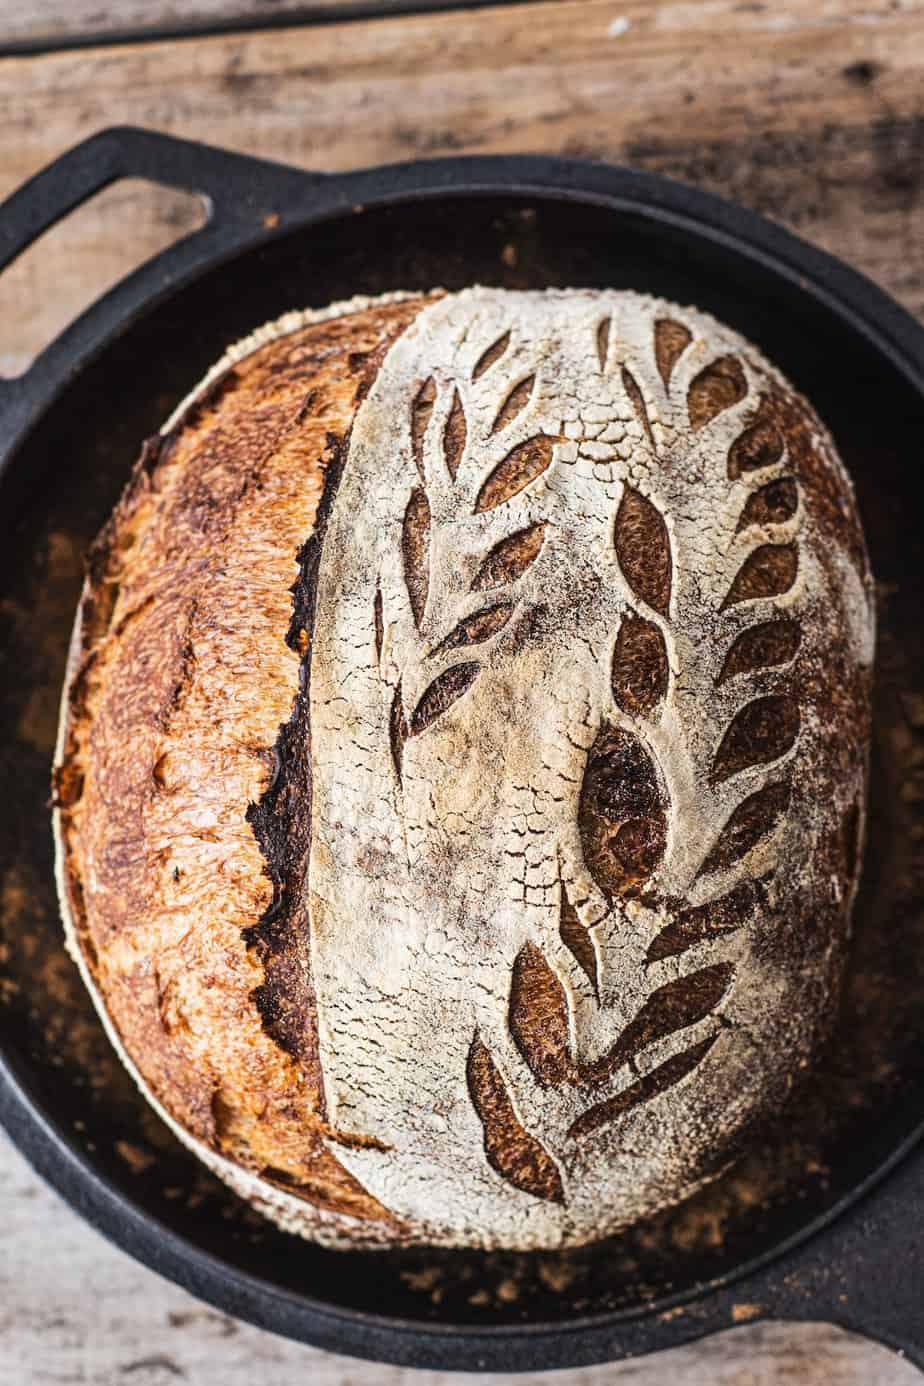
(183, 680)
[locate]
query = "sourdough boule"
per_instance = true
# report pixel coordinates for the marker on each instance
(462, 767)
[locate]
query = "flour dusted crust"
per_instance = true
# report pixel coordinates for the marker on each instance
(462, 765)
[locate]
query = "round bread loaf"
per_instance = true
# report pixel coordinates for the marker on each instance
(463, 762)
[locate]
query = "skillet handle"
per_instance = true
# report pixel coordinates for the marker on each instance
(247, 200)
(865, 1272)
(238, 188)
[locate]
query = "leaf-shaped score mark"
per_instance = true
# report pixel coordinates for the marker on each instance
(514, 404)
(716, 918)
(415, 547)
(493, 353)
(537, 1014)
(640, 668)
(577, 940)
(509, 559)
(441, 694)
(454, 436)
(510, 1149)
(761, 732)
(481, 626)
(521, 466)
(762, 646)
(421, 410)
(753, 819)
(637, 400)
(718, 387)
(445, 690)
(397, 732)
(643, 549)
(675, 1006)
(665, 1076)
(621, 817)
(671, 340)
(760, 445)
(773, 504)
(768, 571)
(603, 342)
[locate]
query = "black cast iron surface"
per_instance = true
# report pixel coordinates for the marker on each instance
(822, 1219)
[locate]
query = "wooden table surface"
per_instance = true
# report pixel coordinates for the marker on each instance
(811, 111)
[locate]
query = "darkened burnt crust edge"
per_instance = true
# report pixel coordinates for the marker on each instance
(281, 819)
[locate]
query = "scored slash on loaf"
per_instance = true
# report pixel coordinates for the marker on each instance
(462, 768)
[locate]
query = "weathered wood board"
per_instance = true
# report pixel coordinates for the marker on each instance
(811, 111)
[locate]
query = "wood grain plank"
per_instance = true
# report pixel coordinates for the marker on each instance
(74, 1310)
(61, 21)
(811, 111)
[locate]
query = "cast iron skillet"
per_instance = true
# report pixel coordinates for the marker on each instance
(821, 1221)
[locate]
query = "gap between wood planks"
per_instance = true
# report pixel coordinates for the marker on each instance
(61, 24)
